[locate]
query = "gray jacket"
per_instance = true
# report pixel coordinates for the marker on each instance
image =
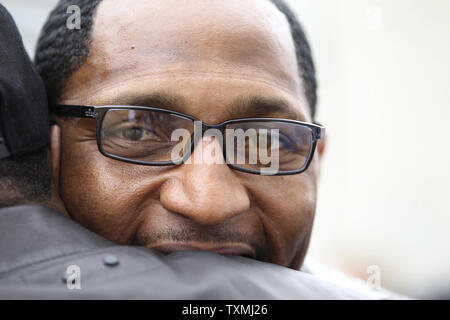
(37, 245)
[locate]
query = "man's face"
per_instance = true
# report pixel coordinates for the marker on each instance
(207, 59)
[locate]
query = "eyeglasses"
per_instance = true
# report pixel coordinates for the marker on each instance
(160, 137)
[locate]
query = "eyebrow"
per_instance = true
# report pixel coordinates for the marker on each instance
(158, 100)
(242, 107)
(256, 106)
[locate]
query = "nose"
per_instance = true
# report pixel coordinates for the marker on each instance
(205, 191)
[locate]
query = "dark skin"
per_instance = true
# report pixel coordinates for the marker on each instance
(211, 61)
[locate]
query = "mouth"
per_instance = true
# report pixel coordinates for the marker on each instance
(239, 249)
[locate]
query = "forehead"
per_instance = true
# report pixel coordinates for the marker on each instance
(155, 39)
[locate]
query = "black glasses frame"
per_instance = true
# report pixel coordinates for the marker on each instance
(98, 113)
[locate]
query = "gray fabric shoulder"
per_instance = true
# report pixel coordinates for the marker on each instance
(31, 234)
(37, 245)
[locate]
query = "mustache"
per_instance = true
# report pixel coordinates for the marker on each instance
(215, 236)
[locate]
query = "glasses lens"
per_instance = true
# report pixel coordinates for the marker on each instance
(146, 135)
(273, 146)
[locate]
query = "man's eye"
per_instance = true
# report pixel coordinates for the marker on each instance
(285, 143)
(136, 133)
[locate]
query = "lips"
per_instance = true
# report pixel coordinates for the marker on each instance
(239, 249)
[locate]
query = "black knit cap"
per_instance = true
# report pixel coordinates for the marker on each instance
(24, 118)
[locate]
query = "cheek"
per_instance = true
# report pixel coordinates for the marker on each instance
(98, 192)
(288, 206)
(293, 206)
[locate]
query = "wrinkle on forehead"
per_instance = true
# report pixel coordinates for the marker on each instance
(234, 36)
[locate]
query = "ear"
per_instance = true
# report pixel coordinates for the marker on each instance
(55, 163)
(321, 148)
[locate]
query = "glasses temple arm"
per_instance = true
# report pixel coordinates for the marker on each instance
(74, 111)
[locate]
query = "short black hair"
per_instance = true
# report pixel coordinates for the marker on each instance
(25, 179)
(62, 51)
